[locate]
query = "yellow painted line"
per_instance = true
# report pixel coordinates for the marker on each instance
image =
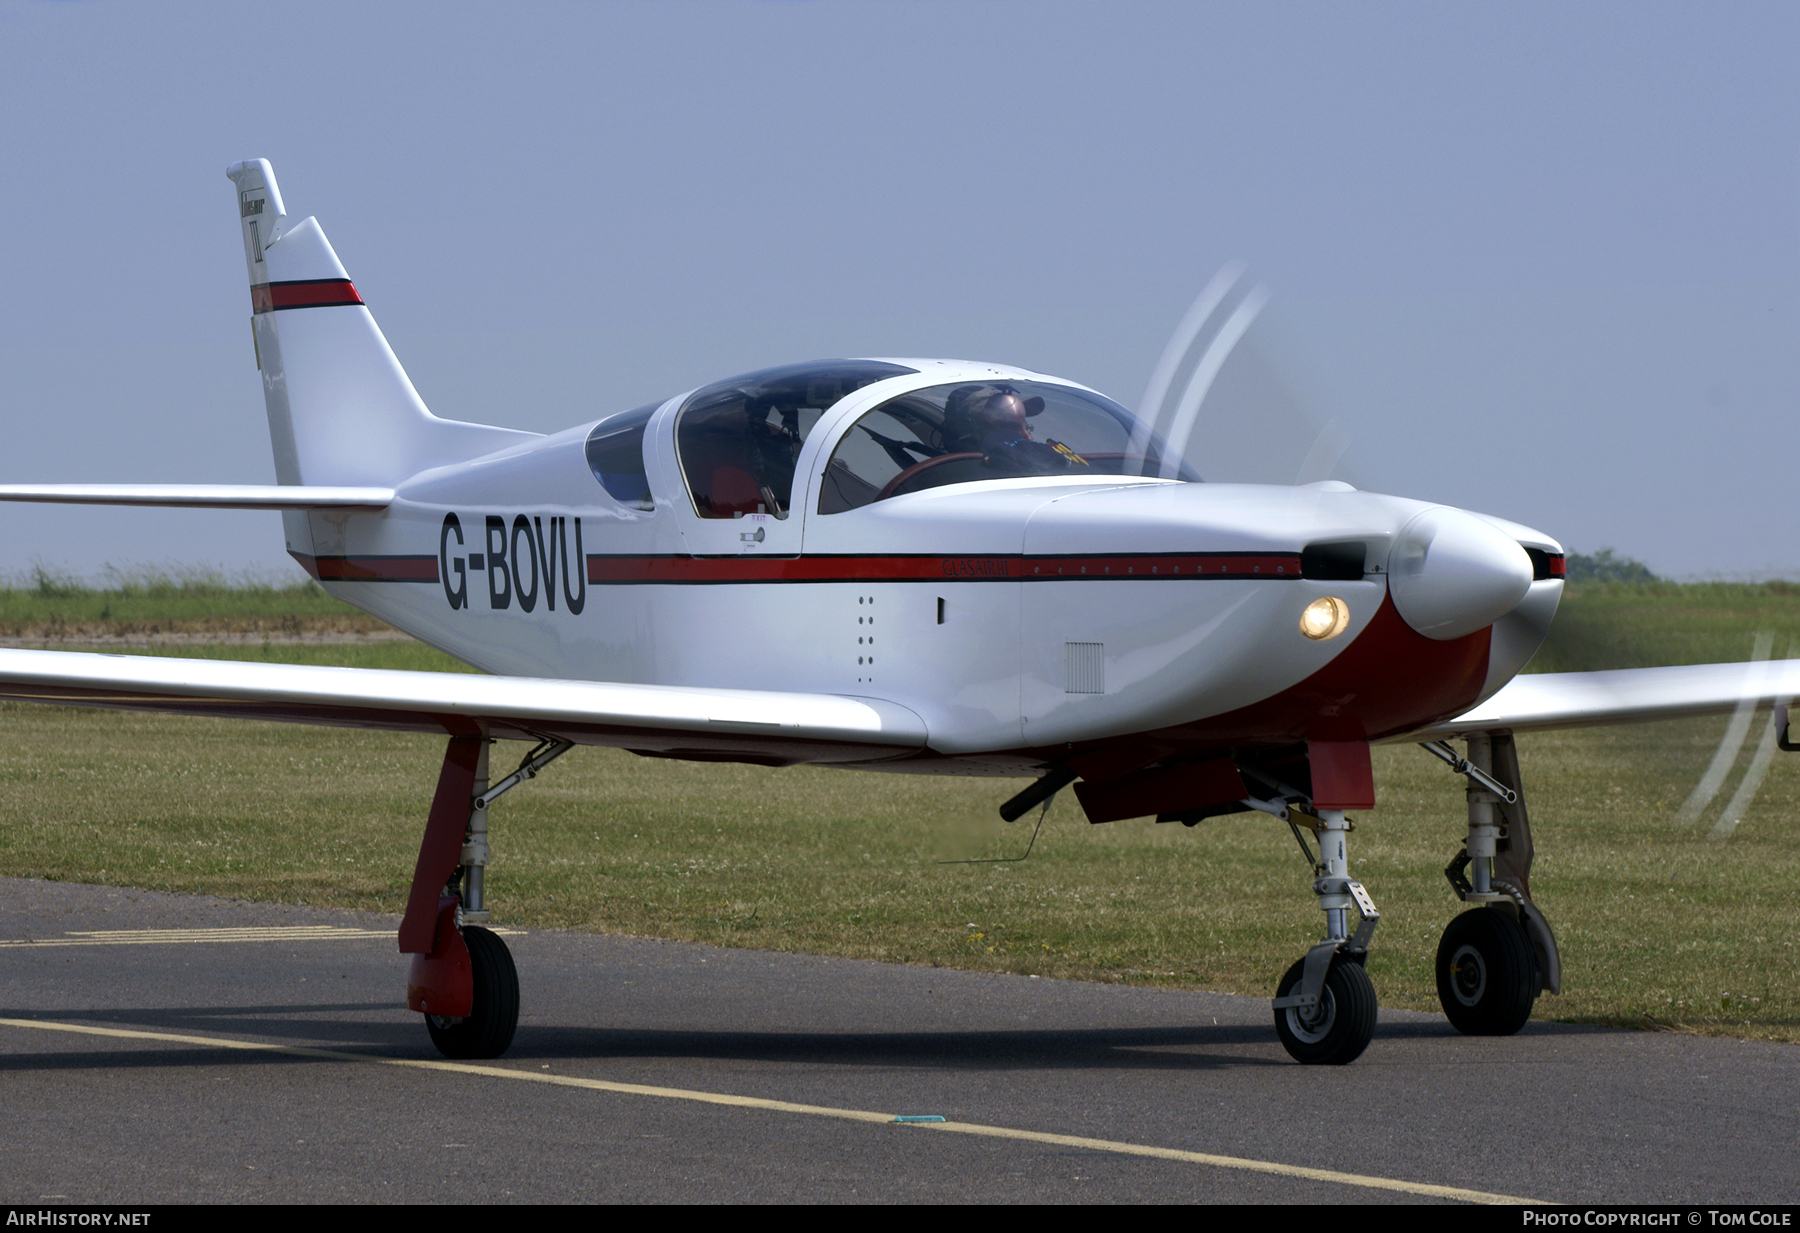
(229, 931)
(166, 937)
(1425, 1189)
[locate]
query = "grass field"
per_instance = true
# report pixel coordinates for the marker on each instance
(51, 606)
(1618, 625)
(1659, 925)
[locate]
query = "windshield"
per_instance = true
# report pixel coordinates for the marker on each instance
(955, 434)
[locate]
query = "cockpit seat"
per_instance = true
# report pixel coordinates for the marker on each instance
(734, 491)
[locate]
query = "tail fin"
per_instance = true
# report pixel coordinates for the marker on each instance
(341, 409)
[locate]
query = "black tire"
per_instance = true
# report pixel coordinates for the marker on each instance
(489, 1029)
(1344, 1024)
(1486, 973)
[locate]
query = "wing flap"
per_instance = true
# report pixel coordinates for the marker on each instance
(754, 725)
(203, 496)
(1626, 695)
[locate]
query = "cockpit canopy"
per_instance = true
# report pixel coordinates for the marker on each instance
(966, 431)
(739, 440)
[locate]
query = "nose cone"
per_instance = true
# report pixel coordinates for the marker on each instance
(1451, 573)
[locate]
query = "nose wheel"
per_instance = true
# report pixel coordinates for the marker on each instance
(1339, 1026)
(1325, 1005)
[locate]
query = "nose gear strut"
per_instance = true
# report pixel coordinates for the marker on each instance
(1325, 1005)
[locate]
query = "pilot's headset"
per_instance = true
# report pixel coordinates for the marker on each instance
(960, 432)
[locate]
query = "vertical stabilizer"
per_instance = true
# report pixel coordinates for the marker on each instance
(341, 409)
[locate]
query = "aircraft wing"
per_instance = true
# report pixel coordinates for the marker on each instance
(1577, 699)
(707, 724)
(203, 496)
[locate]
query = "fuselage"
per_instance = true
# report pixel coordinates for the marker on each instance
(1016, 614)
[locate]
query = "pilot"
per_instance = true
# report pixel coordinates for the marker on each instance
(993, 420)
(772, 450)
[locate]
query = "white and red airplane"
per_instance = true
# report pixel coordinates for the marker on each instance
(914, 566)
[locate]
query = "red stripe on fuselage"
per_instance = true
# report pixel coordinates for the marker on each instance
(975, 568)
(303, 293)
(369, 569)
(635, 570)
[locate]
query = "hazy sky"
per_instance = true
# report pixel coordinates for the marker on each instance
(1536, 260)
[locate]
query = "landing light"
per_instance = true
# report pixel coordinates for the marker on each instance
(1324, 618)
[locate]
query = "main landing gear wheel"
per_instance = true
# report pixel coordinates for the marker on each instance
(489, 1028)
(1340, 1027)
(1486, 973)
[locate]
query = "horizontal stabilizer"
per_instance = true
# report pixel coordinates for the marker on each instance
(705, 724)
(203, 496)
(1625, 695)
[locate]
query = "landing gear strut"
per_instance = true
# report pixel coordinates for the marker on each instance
(1325, 1005)
(1494, 961)
(463, 979)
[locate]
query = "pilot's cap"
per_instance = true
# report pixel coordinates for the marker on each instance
(1003, 408)
(983, 402)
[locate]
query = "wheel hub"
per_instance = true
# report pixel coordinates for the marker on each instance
(1468, 976)
(1312, 1023)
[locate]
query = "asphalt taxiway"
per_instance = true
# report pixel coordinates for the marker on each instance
(160, 1048)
